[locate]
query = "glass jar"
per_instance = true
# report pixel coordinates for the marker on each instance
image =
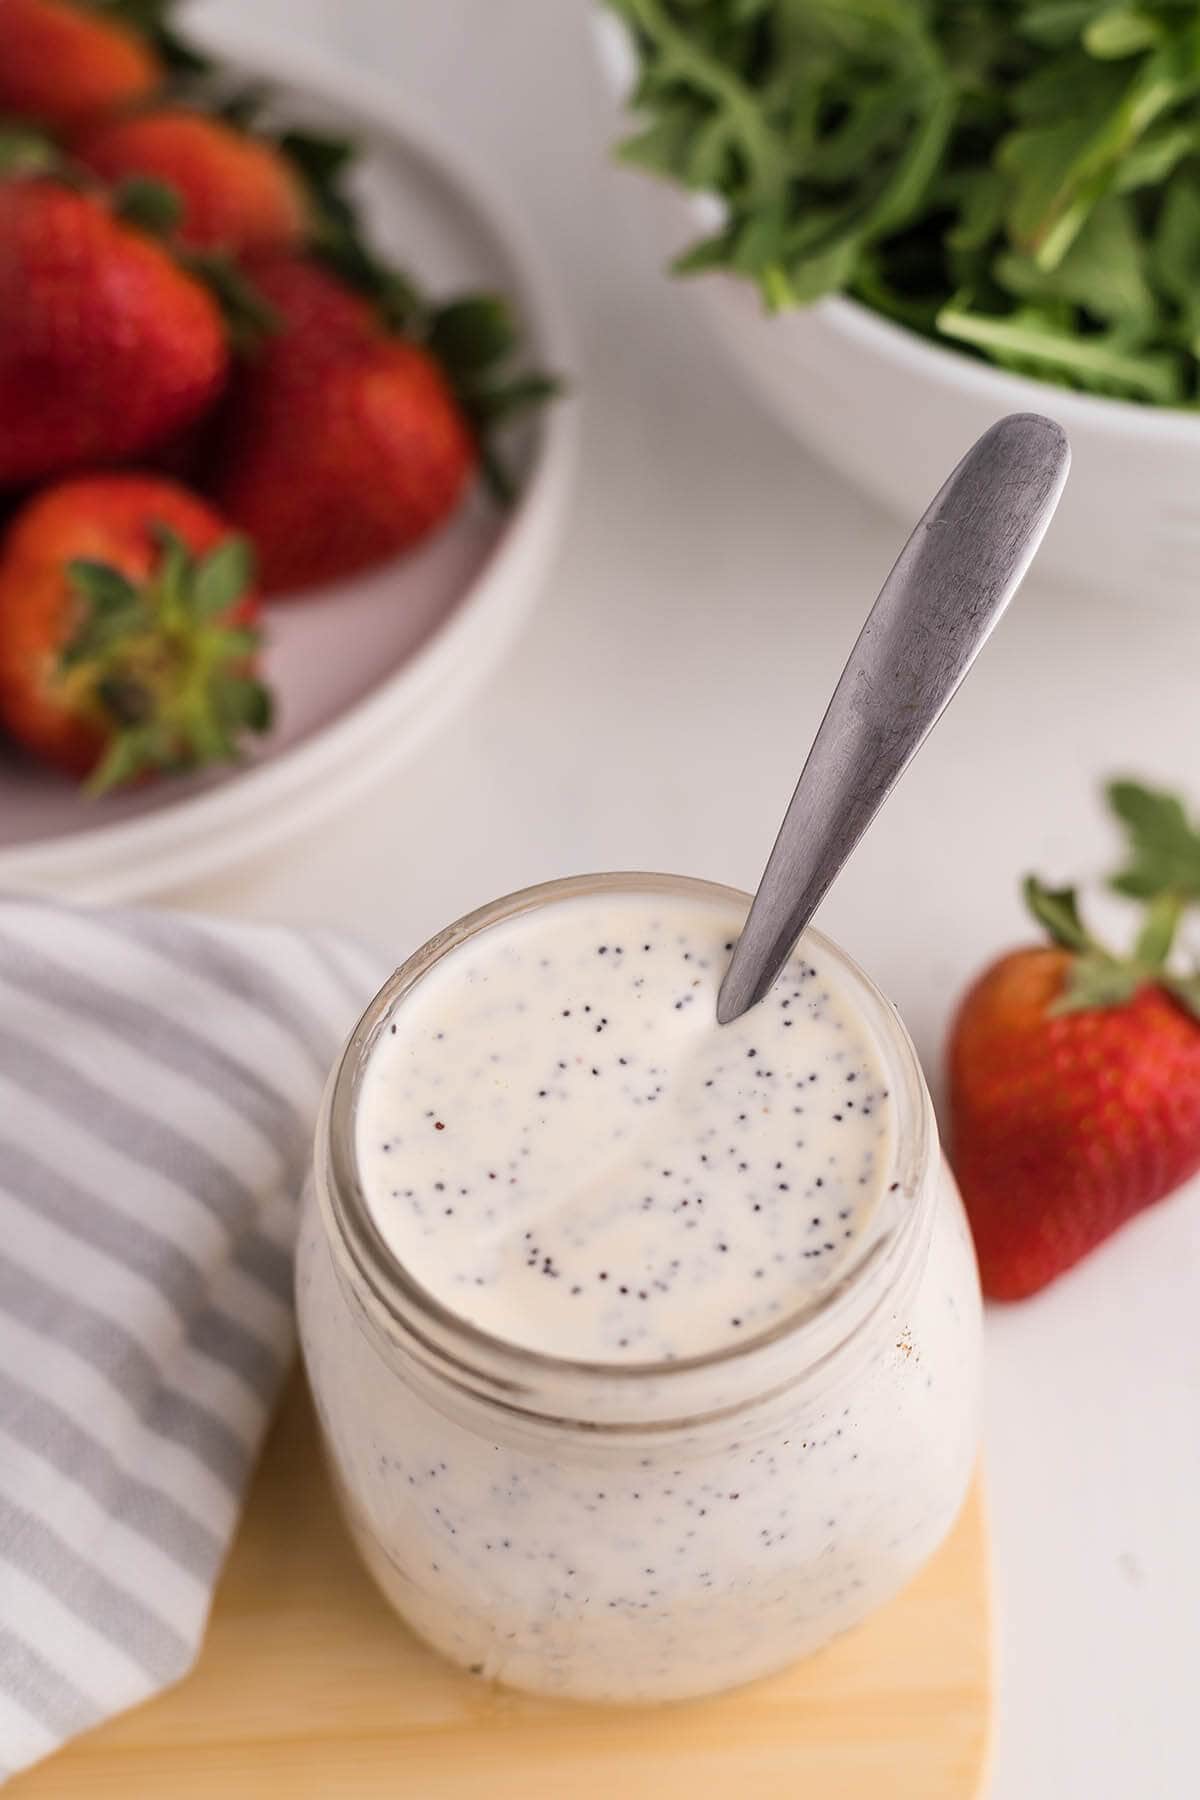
(655, 1531)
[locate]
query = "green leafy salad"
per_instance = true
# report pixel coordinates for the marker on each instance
(1016, 178)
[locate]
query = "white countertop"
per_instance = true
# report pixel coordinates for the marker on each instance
(656, 715)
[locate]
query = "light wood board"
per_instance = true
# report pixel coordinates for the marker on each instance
(308, 1688)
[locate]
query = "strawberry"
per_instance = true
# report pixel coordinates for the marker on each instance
(126, 640)
(355, 434)
(62, 64)
(237, 193)
(361, 460)
(350, 440)
(316, 315)
(1074, 1074)
(107, 347)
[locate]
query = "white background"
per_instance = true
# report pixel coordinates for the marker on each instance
(656, 714)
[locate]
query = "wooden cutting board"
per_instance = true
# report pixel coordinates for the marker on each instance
(309, 1689)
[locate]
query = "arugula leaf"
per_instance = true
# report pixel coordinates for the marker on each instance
(1155, 158)
(1060, 21)
(1121, 32)
(1104, 269)
(1175, 259)
(1037, 342)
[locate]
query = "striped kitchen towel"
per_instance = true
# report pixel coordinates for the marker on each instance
(159, 1079)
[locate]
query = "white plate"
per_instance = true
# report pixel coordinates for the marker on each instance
(363, 671)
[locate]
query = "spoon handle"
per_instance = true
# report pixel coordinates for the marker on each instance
(951, 582)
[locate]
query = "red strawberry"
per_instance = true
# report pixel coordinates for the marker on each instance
(1075, 1074)
(316, 316)
(125, 640)
(236, 192)
(345, 444)
(107, 348)
(62, 64)
(335, 465)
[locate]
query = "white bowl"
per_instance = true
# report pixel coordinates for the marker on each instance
(364, 670)
(893, 411)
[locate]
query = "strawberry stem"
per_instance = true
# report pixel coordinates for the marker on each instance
(1163, 871)
(1156, 938)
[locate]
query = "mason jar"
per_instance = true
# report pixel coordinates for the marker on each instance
(643, 1532)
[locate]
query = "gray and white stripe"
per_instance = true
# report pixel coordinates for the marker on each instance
(159, 1077)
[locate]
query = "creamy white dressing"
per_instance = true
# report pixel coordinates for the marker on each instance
(561, 1144)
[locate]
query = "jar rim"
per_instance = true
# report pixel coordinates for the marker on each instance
(515, 1368)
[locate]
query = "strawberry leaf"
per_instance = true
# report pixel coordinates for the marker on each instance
(472, 334)
(110, 607)
(122, 763)
(180, 57)
(206, 736)
(125, 699)
(24, 151)
(496, 478)
(241, 641)
(494, 405)
(173, 575)
(1097, 979)
(221, 578)
(1163, 845)
(153, 206)
(400, 304)
(245, 702)
(104, 587)
(320, 159)
(247, 314)
(1057, 909)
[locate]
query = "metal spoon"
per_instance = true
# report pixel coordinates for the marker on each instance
(952, 581)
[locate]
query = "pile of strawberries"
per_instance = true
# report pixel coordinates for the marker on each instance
(184, 293)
